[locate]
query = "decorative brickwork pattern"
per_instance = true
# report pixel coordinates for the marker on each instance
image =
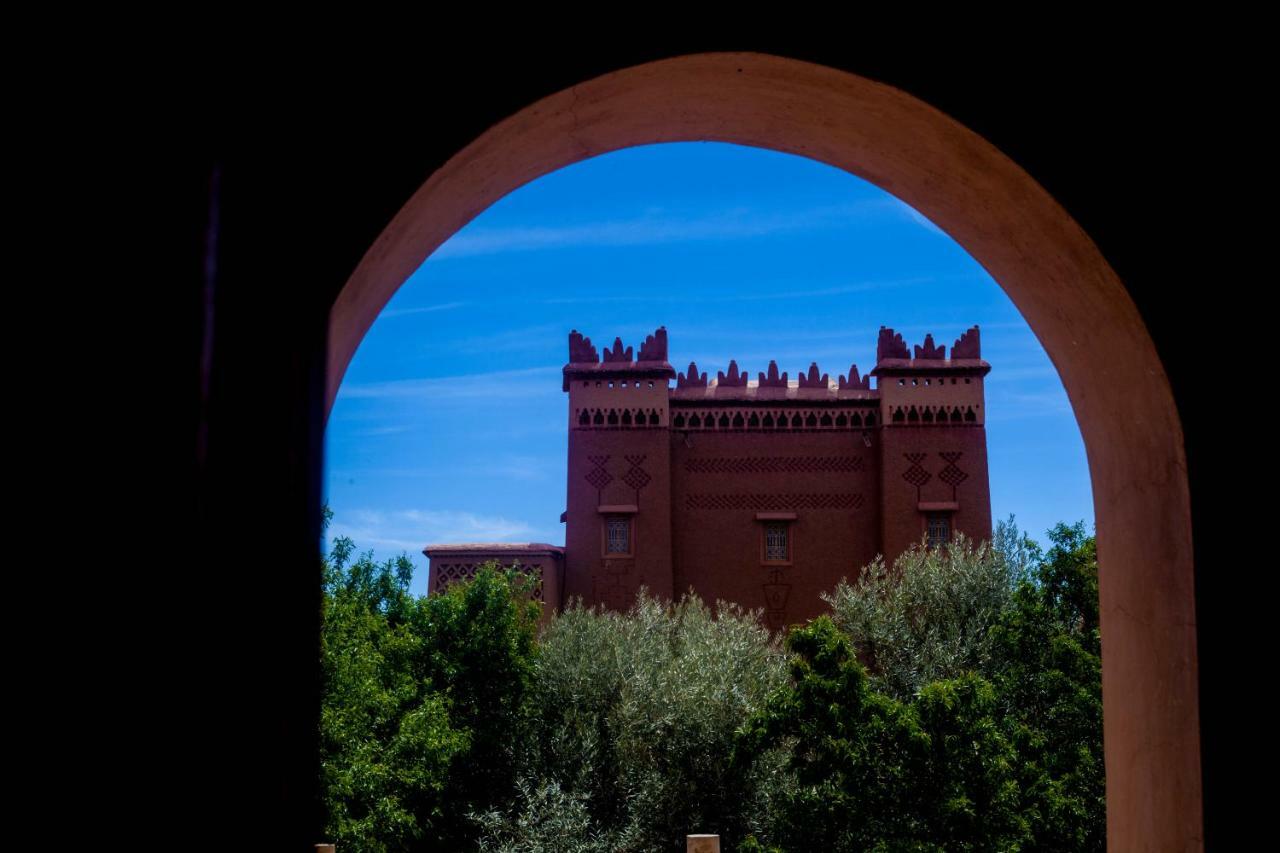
(951, 475)
(619, 418)
(932, 415)
(447, 573)
(778, 419)
(776, 502)
(598, 476)
(915, 475)
(774, 464)
(776, 594)
(636, 477)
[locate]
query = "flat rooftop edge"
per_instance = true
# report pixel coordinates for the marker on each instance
(495, 548)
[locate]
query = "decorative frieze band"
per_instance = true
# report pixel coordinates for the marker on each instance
(767, 502)
(773, 419)
(774, 464)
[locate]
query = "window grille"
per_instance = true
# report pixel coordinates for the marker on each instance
(618, 536)
(775, 543)
(939, 530)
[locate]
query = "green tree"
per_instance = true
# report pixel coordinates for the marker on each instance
(479, 647)
(874, 773)
(421, 701)
(930, 616)
(631, 723)
(386, 740)
(1049, 682)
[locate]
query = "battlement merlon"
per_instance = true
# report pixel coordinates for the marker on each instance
(618, 361)
(893, 358)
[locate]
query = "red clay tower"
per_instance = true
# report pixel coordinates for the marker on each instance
(765, 492)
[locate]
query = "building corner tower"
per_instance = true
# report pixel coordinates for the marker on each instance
(933, 443)
(618, 499)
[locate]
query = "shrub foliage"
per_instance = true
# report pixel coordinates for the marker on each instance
(951, 702)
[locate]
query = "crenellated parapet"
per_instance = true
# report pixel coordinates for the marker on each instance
(619, 367)
(772, 379)
(692, 378)
(890, 345)
(893, 355)
(654, 347)
(581, 350)
(813, 380)
(853, 382)
(968, 345)
(733, 379)
(930, 389)
(617, 353)
(930, 351)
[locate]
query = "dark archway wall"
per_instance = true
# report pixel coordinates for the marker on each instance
(309, 171)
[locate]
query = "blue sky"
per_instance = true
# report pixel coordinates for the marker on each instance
(450, 425)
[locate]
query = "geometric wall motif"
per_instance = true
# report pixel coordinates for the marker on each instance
(932, 415)
(444, 574)
(915, 475)
(776, 502)
(619, 418)
(776, 593)
(773, 419)
(598, 476)
(774, 464)
(951, 475)
(636, 477)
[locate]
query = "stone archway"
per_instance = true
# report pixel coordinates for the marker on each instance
(1053, 272)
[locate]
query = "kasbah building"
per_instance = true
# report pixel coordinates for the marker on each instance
(762, 492)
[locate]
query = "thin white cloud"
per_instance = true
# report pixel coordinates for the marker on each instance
(779, 293)
(382, 430)
(426, 309)
(514, 340)
(528, 382)
(734, 224)
(413, 529)
(1008, 405)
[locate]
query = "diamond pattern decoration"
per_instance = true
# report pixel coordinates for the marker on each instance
(951, 475)
(915, 475)
(598, 476)
(636, 477)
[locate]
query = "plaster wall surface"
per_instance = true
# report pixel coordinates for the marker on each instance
(723, 480)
